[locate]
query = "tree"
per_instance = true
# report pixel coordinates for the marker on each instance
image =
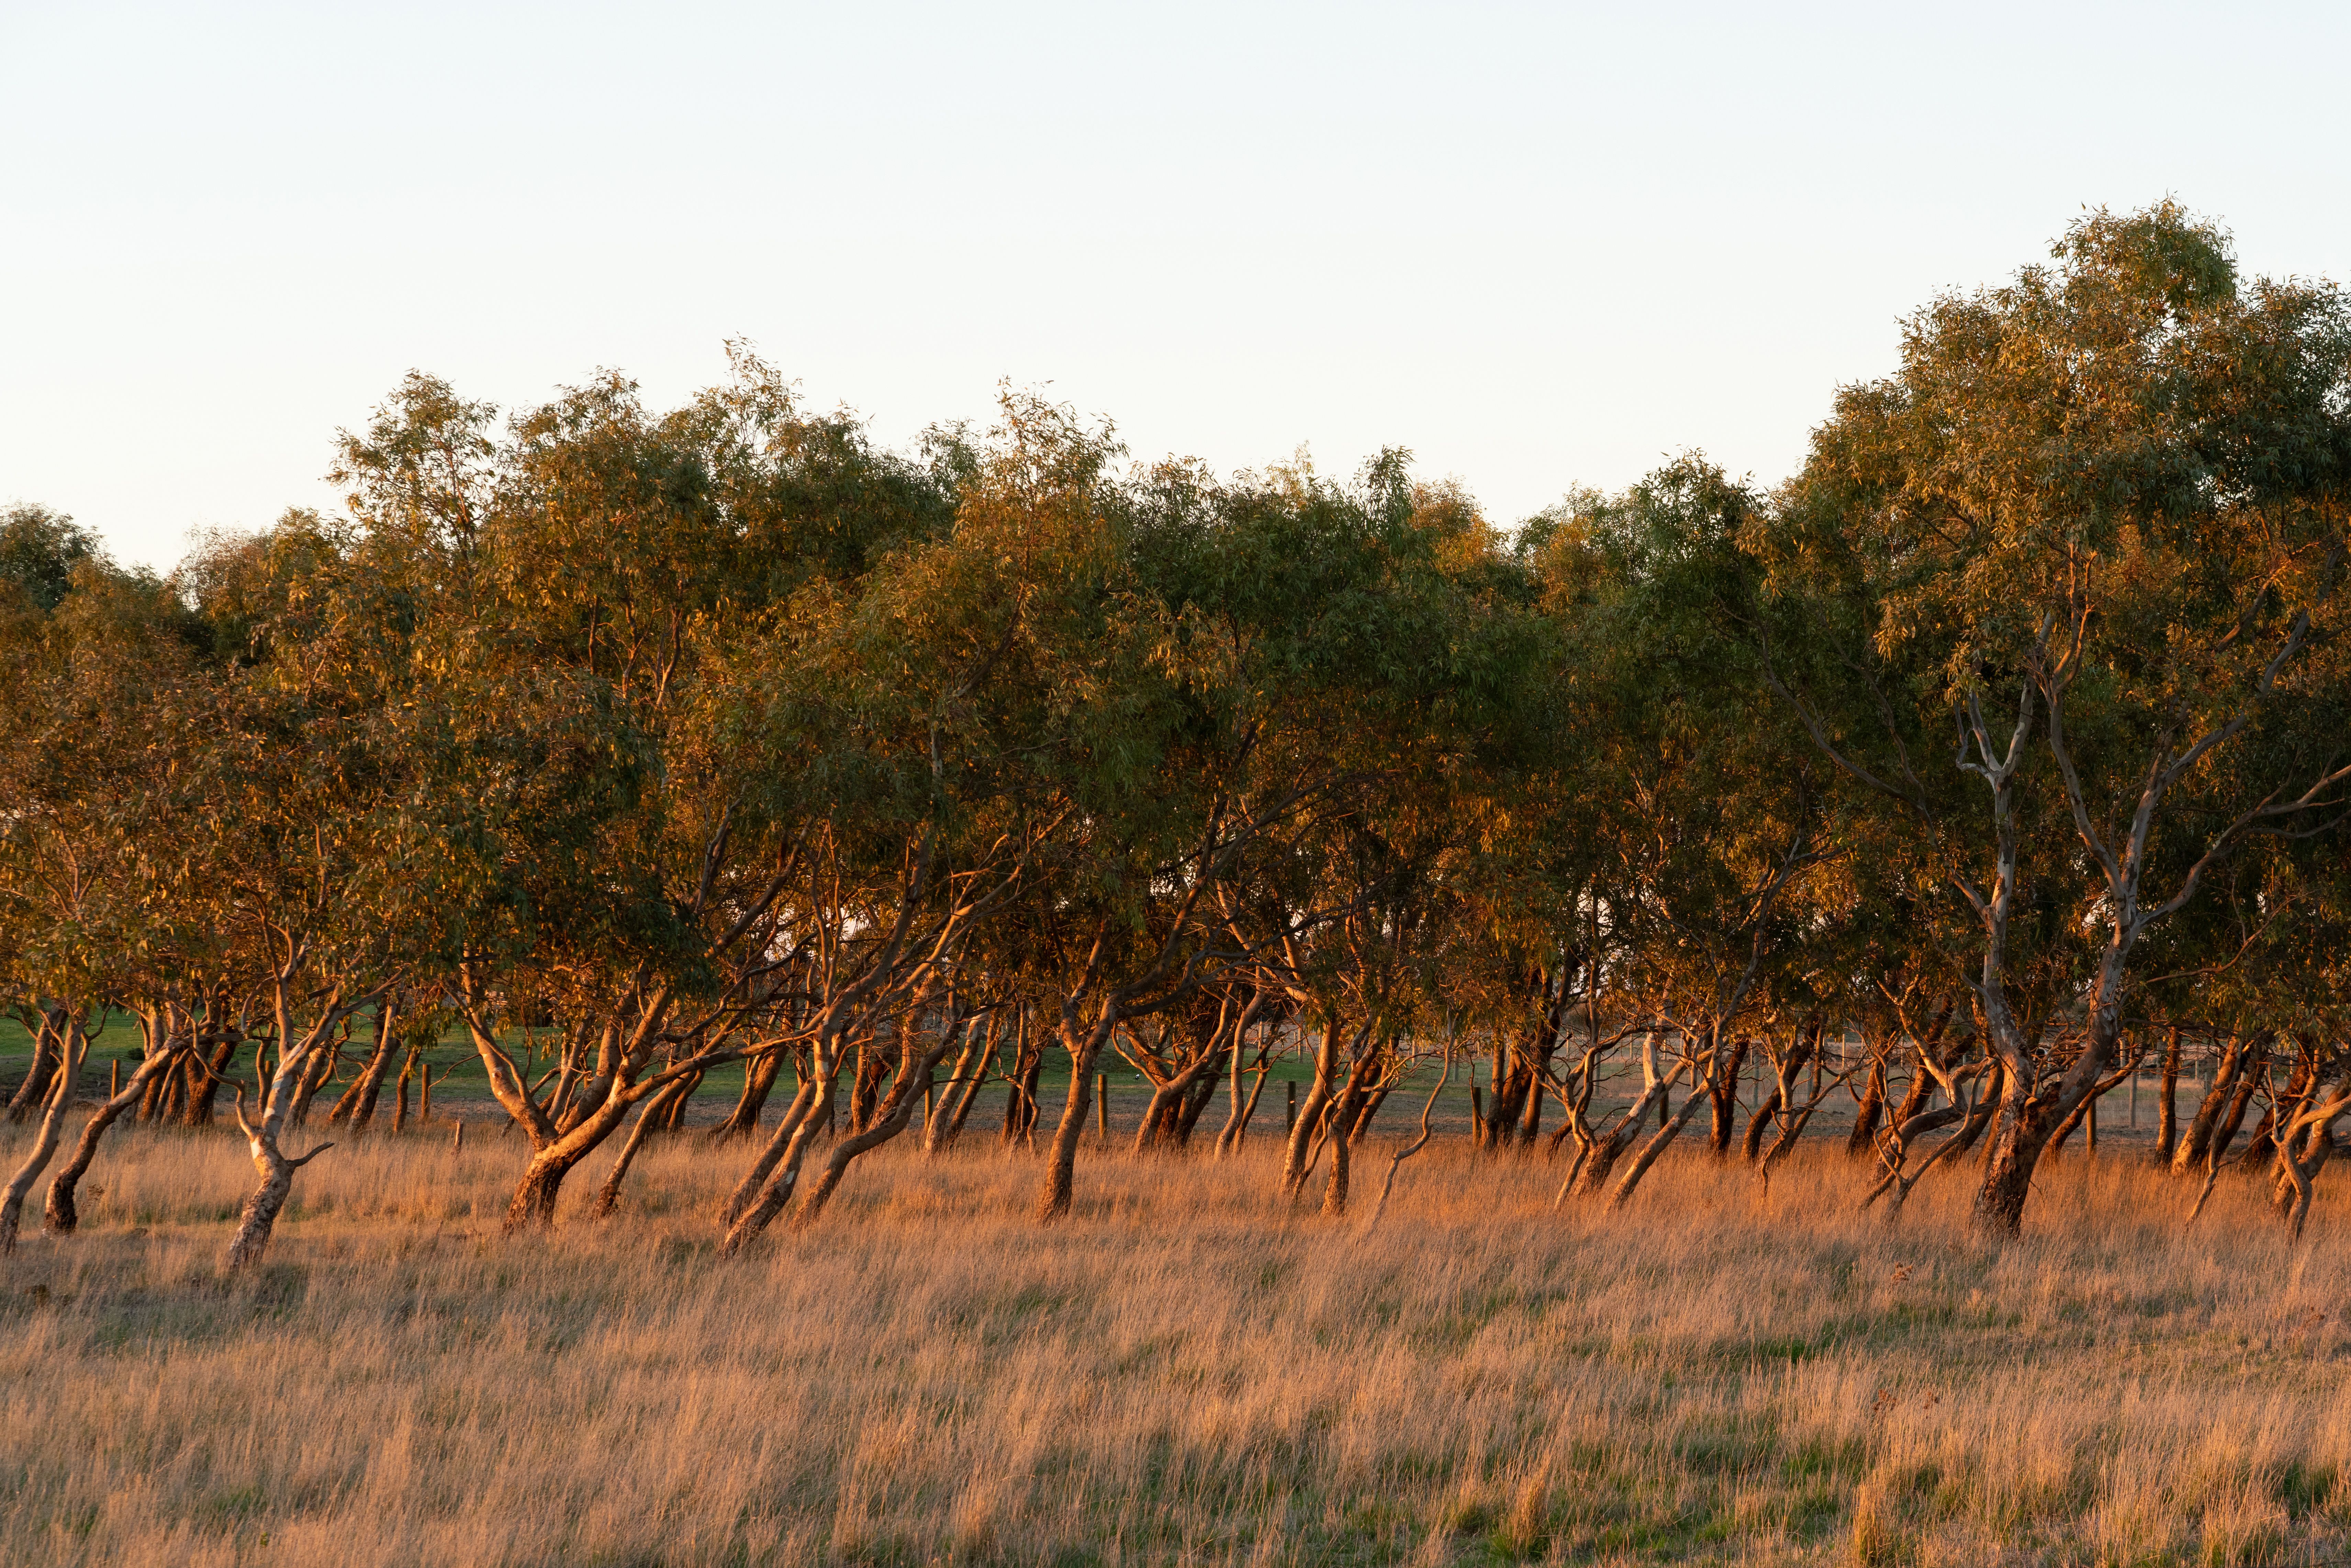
(2095, 522)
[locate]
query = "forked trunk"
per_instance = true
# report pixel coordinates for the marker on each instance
(746, 1192)
(759, 1083)
(259, 1215)
(1343, 1115)
(358, 1104)
(753, 1207)
(541, 1187)
(1295, 1162)
(1656, 1145)
(202, 1091)
(2190, 1154)
(2019, 1130)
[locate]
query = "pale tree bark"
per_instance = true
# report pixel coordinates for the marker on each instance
(73, 1044)
(2129, 912)
(322, 1067)
(1242, 1107)
(2304, 1143)
(1305, 1137)
(1869, 1111)
(774, 1176)
(1793, 1113)
(1338, 1122)
(274, 1169)
(897, 976)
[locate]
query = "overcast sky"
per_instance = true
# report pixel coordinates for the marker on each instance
(1538, 245)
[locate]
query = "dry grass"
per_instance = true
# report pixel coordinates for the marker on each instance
(1184, 1372)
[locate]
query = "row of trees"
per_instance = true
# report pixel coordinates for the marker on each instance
(2007, 737)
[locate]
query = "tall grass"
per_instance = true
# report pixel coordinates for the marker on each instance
(1187, 1370)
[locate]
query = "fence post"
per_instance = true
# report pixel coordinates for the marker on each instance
(1101, 1105)
(1290, 1117)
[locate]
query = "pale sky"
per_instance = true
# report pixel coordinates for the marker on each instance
(1540, 245)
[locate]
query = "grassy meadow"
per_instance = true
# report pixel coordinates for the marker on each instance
(1187, 1371)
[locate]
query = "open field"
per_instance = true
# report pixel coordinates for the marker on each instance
(1184, 1371)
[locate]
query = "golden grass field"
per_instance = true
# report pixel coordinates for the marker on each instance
(1187, 1371)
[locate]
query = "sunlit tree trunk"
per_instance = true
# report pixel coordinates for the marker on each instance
(72, 1045)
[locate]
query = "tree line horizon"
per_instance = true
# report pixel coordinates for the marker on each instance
(2007, 737)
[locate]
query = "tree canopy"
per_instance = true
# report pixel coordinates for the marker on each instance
(1994, 749)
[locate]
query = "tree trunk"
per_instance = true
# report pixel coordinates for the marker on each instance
(1308, 1125)
(865, 1088)
(63, 1216)
(541, 1187)
(202, 1090)
(1061, 1158)
(1655, 1145)
(891, 1120)
(2167, 1110)
(358, 1103)
(657, 1111)
(1228, 1137)
(1863, 1140)
(2248, 1080)
(1594, 1165)
(34, 1091)
(258, 1218)
(759, 1082)
(322, 1067)
(1724, 1095)
(672, 1117)
(971, 1067)
(800, 1121)
(1538, 1074)
(1344, 1113)
(72, 1046)
(1751, 1148)
(2262, 1146)
(1188, 1115)
(2020, 1129)
(2209, 1109)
